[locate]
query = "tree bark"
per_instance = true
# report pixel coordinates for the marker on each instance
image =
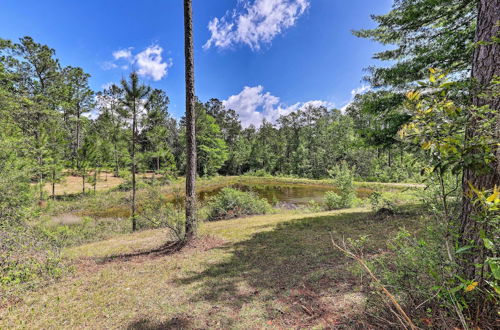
(53, 184)
(190, 123)
(95, 179)
(485, 65)
(134, 118)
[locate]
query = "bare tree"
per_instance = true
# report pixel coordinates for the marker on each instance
(190, 123)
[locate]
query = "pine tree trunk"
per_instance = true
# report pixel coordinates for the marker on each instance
(190, 123)
(53, 184)
(134, 223)
(117, 166)
(485, 65)
(77, 128)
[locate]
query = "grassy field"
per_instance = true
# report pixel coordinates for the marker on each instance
(71, 184)
(271, 271)
(275, 271)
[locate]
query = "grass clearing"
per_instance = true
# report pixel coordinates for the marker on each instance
(266, 271)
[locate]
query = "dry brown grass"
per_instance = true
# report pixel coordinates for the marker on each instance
(73, 184)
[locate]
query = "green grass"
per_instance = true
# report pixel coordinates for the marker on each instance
(268, 271)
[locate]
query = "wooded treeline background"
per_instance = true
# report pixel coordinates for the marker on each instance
(56, 121)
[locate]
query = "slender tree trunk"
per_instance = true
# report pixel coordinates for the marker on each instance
(95, 179)
(53, 184)
(40, 154)
(190, 123)
(40, 177)
(134, 118)
(116, 169)
(78, 128)
(485, 65)
(83, 183)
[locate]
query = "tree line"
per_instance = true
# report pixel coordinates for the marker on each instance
(64, 125)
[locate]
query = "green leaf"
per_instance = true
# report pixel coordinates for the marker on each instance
(463, 249)
(488, 244)
(494, 264)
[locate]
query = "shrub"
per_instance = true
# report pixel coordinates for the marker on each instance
(379, 202)
(232, 203)
(127, 185)
(86, 231)
(333, 201)
(26, 255)
(157, 213)
(343, 175)
(313, 206)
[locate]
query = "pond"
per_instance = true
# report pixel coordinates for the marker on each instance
(284, 195)
(298, 194)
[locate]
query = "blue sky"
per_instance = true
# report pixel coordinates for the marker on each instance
(263, 57)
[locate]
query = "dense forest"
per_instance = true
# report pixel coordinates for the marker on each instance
(413, 163)
(73, 127)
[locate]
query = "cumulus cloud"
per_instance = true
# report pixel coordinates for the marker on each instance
(253, 105)
(359, 90)
(254, 23)
(148, 63)
(123, 53)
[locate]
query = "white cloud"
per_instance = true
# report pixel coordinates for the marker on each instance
(123, 53)
(255, 23)
(108, 65)
(360, 90)
(148, 63)
(253, 106)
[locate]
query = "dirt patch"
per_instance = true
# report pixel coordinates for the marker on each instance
(66, 219)
(326, 307)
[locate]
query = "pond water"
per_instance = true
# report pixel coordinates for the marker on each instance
(284, 195)
(289, 194)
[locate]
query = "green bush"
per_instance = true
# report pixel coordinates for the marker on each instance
(127, 185)
(26, 255)
(379, 202)
(343, 176)
(333, 201)
(156, 212)
(232, 203)
(313, 206)
(86, 231)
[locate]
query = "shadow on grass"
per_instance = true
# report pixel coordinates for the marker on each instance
(293, 266)
(166, 249)
(173, 323)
